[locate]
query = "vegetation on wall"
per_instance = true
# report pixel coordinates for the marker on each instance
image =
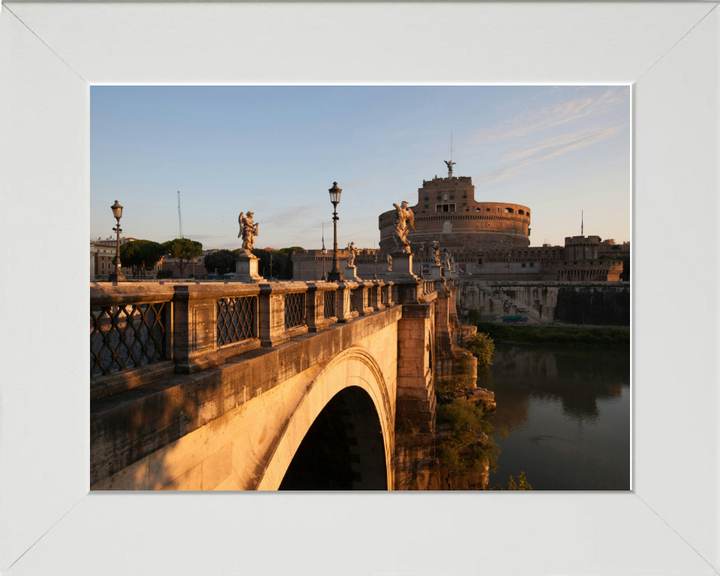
(482, 347)
(469, 443)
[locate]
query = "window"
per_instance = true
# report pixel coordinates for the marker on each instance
(532, 264)
(508, 210)
(523, 265)
(521, 212)
(439, 197)
(427, 195)
(445, 207)
(464, 193)
(497, 209)
(427, 204)
(464, 202)
(452, 195)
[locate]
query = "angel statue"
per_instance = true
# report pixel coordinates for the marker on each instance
(404, 216)
(248, 231)
(447, 260)
(352, 252)
(435, 251)
(450, 164)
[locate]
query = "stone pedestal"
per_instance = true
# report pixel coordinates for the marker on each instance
(351, 274)
(401, 268)
(435, 272)
(246, 269)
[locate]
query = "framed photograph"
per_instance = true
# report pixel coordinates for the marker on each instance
(50, 56)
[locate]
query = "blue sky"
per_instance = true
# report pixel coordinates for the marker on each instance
(275, 150)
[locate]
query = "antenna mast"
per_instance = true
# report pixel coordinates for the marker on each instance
(180, 216)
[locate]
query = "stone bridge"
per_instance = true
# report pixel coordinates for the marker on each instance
(234, 386)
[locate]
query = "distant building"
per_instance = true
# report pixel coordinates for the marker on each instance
(447, 211)
(102, 254)
(487, 240)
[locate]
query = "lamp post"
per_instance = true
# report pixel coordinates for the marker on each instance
(335, 274)
(117, 275)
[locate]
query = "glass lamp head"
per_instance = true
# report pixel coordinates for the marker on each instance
(335, 193)
(117, 210)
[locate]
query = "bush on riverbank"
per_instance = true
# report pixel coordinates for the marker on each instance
(556, 335)
(521, 484)
(482, 347)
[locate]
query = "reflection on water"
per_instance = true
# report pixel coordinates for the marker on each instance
(567, 411)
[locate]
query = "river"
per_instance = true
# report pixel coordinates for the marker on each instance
(566, 411)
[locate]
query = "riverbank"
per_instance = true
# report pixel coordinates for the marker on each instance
(565, 335)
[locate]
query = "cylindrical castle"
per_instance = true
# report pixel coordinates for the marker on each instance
(446, 211)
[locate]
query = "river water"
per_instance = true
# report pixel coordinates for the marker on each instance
(567, 414)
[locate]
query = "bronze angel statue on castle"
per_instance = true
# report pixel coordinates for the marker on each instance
(248, 231)
(404, 216)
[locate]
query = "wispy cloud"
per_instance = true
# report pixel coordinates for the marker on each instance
(545, 150)
(533, 121)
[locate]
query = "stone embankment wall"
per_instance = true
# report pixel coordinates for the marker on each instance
(601, 304)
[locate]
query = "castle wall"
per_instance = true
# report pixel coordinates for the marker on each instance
(598, 304)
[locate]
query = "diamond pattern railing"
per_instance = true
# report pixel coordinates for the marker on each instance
(125, 337)
(236, 319)
(295, 310)
(329, 304)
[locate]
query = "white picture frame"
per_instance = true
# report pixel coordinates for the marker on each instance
(50, 53)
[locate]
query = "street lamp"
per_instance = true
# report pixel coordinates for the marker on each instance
(117, 275)
(335, 274)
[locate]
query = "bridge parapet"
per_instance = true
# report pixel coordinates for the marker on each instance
(141, 332)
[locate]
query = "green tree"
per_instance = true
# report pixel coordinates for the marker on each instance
(223, 261)
(141, 255)
(288, 269)
(483, 348)
(183, 250)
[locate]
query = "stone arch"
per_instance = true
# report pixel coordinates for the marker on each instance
(355, 367)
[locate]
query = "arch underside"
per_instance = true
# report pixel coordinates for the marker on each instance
(341, 431)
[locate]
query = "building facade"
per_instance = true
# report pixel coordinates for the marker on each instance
(446, 211)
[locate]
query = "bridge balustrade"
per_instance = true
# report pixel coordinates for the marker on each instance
(140, 332)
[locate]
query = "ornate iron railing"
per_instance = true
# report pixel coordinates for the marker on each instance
(126, 336)
(329, 304)
(236, 319)
(295, 310)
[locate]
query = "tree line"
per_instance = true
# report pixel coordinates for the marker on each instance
(142, 256)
